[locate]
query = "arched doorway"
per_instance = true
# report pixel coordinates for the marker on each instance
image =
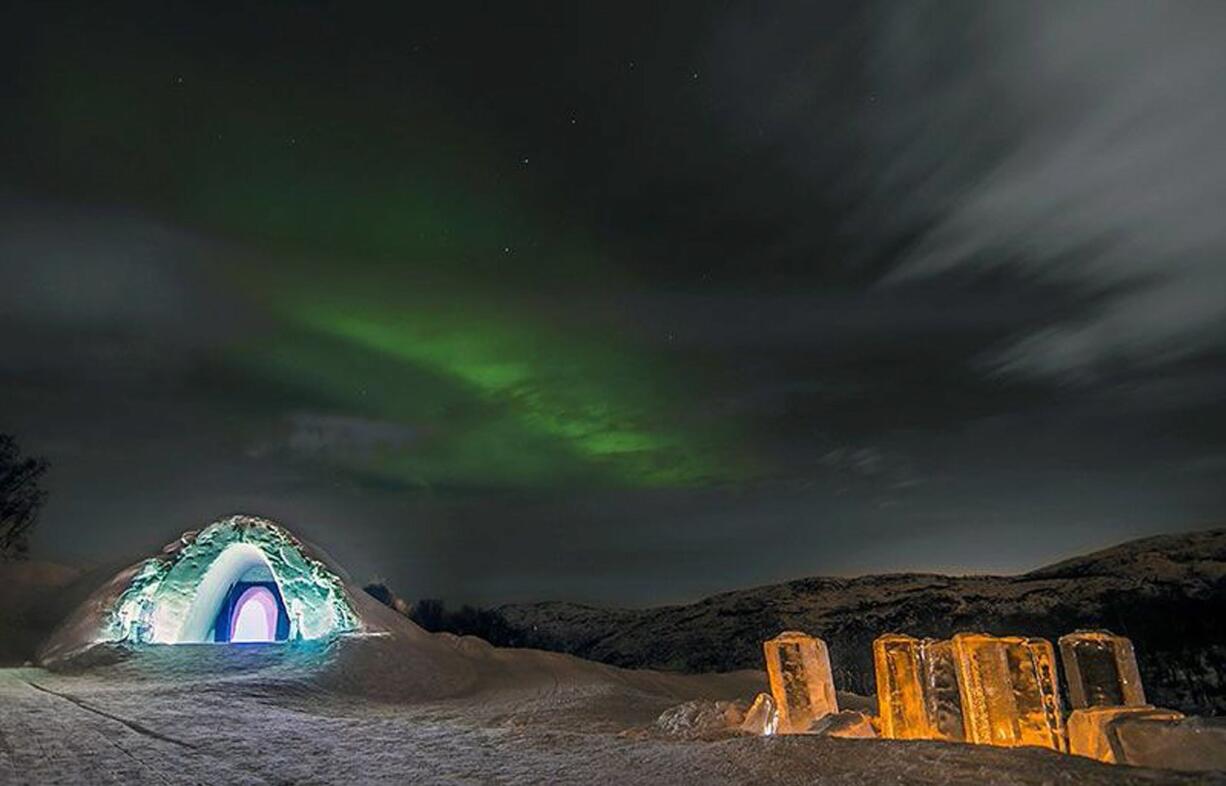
(251, 612)
(255, 616)
(238, 586)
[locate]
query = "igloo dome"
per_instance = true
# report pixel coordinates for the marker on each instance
(242, 579)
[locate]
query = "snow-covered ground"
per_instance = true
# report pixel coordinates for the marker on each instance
(421, 708)
(400, 705)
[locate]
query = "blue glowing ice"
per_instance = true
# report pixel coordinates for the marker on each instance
(175, 597)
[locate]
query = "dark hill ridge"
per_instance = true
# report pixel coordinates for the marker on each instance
(1168, 593)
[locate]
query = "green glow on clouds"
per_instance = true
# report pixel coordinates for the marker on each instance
(335, 228)
(566, 406)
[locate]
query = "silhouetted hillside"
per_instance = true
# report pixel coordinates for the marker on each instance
(1167, 593)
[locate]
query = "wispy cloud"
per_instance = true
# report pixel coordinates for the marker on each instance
(114, 294)
(1112, 181)
(316, 433)
(1072, 144)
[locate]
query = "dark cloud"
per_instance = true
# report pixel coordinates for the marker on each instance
(93, 268)
(117, 297)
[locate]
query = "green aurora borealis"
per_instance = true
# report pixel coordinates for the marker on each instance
(404, 293)
(497, 398)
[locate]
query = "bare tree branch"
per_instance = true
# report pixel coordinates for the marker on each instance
(21, 498)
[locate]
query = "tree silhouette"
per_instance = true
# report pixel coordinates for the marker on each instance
(20, 497)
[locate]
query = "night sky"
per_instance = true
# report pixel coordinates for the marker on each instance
(624, 303)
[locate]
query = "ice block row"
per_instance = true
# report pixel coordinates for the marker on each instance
(991, 690)
(1008, 690)
(978, 688)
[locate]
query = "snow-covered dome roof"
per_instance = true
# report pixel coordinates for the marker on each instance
(178, 596)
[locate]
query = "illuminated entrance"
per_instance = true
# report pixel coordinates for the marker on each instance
(252, 612)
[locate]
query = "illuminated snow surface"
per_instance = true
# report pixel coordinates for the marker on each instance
(413, 707)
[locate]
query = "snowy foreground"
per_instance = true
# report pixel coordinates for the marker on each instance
(426, 708)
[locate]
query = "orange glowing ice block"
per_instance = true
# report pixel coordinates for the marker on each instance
(917, 688)
(798, 666)
(1101, 670)
(900, 687)
(1009, 691)
(1090, 730)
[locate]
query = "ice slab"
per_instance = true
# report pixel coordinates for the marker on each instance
(943, 696)
(1173, 743)
(1101, 670)
(917, 688)
(701, 718)
(849, 724)
(762, 717)
(1090, 729)
(1009, 691)
(802, 686)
